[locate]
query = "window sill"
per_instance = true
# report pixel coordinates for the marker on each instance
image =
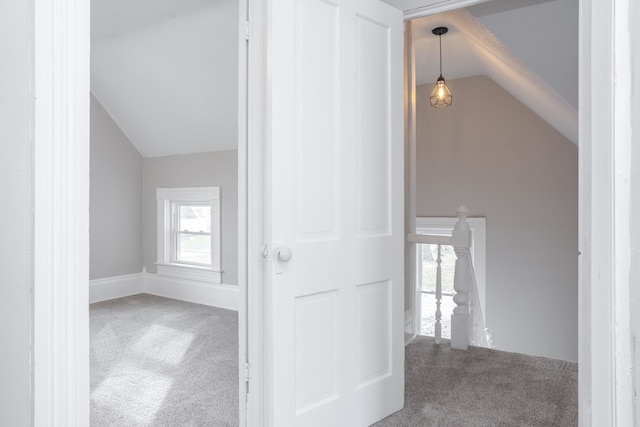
(189, 272)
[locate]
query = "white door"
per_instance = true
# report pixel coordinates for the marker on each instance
(336, 195)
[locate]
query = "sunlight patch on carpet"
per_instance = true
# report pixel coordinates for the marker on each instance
(134, 394)
(105, 344)
(164, 344)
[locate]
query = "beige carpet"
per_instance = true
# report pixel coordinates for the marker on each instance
(484, 388)
(161, 362)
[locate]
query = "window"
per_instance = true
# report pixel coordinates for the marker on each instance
(189, 233)
(426, 270)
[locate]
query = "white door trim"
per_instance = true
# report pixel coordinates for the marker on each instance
(416, 9)
(412, 329)
(253, 276)
(605, 384)
(243, 323)
(61, 217)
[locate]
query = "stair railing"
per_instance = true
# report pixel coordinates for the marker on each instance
(467, 321)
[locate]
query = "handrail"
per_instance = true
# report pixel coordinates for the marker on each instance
(429, 239)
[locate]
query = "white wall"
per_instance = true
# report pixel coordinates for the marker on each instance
(491, 153)
(16, 217)
(634, 276)
(116, 199)
(219, 168)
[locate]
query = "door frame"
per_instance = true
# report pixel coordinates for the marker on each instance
(61, 146)
(61, 214)
(60, 289)
(606, 387)
(252, 263)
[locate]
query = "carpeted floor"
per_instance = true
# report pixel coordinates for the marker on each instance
(161, 362)
(481, 387)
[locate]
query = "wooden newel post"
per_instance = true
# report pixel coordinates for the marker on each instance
(461, 318)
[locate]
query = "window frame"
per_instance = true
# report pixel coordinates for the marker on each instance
(166, 265)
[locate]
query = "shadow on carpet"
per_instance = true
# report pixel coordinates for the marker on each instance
(482, 387)
(161, 362)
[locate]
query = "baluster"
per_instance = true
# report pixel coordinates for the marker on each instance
(438, 331)
(460, 319)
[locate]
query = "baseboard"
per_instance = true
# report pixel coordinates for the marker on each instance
(215, 295)
(115, 287)
(409, 326)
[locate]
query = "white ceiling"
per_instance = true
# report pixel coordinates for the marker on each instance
(166, 70)
(114, 18)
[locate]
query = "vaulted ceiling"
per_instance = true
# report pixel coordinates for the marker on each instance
(530, 50)
(167, 70)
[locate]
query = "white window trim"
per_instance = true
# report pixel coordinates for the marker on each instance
(478, 227)
(166, 196)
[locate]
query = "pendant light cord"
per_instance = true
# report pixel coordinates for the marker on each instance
(440, 39)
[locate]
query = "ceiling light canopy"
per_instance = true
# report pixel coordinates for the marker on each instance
(440, 95)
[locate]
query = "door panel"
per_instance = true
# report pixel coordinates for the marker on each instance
(373, 122)
(316, 358)
(374, 331)
(336, 200)
(316, 121)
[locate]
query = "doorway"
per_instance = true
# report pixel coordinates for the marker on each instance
(164, 211)
(496, 151)
(61, 199)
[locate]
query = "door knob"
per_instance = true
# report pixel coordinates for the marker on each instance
(284, 254)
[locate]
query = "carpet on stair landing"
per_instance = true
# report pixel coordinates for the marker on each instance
(480, 387)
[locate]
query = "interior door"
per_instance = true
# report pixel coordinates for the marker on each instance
(336, 212)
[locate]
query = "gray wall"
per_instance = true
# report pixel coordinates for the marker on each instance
(16, 217)
(116, 199)
(491, 153)
(219, 169)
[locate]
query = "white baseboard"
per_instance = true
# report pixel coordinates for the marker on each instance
(214, 295)
(409, 326)
(115, 287)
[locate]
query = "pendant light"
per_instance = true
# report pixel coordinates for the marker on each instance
(440, 95)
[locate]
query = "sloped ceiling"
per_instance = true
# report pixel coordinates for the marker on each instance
(167, 73)
(166, 70)
(543, 34)
(529, 47)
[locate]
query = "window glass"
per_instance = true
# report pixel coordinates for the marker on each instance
(192, 233)
(194, 218)
(430, 267)
(193, 248)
